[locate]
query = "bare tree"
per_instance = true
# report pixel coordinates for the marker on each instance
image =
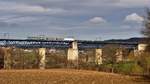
(146, 30)
(109, 55)
(146, 55)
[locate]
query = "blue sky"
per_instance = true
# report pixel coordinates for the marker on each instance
(83, 19)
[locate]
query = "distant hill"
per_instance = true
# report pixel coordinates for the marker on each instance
(135, 39)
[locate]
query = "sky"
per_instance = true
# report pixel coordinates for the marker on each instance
(82, 19)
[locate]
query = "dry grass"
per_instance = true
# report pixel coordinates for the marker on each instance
(65, 76)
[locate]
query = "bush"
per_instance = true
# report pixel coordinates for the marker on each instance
(106, 67)
(144, 61)
(128, 68)
(136, 69)
(123, 68)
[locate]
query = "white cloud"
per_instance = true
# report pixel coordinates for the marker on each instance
(25, 8)
(134, 17)
(21, 19)
(97, 20)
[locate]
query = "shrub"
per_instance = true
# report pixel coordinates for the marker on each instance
(122, 67)
(106, 67)
(128, 68)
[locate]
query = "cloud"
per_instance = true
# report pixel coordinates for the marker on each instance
(132, 3)
(54, 17)
(21, 19)
(134, 17)
(26, 8)
(6, 24)
(97, 20)
(125, 26)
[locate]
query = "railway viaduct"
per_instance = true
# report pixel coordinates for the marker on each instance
(71, 46)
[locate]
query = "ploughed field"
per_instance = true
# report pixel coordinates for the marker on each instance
(65, 76)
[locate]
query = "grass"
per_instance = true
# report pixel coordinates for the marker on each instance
(65, 76)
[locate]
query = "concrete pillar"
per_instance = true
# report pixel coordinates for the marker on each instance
(142, 47)
(98, 56)
(42, 57)
(119, 55)
(73, 53)
(7, 58)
